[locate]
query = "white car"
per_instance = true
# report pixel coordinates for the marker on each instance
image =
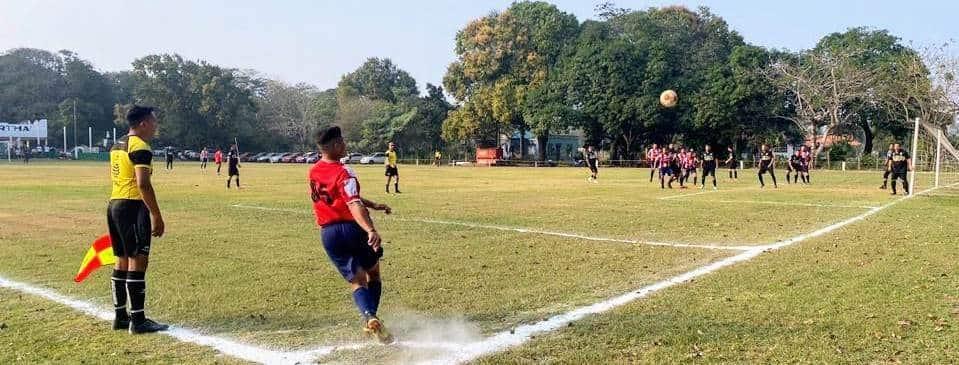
(352, 158)
(277, 157)
(376, 158)
(267, 157)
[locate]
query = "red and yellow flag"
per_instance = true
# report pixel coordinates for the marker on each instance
(99, 254)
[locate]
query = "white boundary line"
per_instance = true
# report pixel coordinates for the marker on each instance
(789, 203)
(223, 345)
(457, 352)
(677, 196)
(530, 231)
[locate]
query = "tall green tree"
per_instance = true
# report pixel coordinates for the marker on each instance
(200, 104)
(501, 58)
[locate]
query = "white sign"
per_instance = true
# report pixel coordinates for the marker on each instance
(28, 129)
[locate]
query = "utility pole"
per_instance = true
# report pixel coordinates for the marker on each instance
(75, 151)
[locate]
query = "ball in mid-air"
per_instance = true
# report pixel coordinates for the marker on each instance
(668, 98)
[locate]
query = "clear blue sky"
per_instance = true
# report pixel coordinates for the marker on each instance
(318, 41)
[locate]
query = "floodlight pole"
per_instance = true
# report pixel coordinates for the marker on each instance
(938, 154)
(915, 149)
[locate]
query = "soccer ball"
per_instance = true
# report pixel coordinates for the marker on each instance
(668, 98)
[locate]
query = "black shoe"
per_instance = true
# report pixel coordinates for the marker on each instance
(398, 192)
(148, 326)
(120, 323)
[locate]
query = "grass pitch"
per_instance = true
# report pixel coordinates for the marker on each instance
(248, 265)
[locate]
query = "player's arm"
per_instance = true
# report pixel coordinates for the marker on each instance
(376, 206)
(909, 163)
(362, 217)
(143, 170)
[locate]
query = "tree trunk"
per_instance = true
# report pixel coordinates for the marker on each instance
(541, 142)
(868, 137)
(522, 143)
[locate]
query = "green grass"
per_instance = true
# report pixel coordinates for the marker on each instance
(262, 276)
(35, 331)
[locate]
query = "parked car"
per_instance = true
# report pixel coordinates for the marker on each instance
(290, 158)
(245, 156)
(312, 159)
(376, 158)
(302, 158)
(251, 157)
(279, 157)
(255, 157)
(352, 158)
(267, 157)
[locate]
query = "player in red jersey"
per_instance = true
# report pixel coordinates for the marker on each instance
(348, 234)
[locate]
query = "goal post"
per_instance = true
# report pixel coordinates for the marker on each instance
(935, 161)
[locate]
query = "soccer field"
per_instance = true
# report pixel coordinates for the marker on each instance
(497, 265)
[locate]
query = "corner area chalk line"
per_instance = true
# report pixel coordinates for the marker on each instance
(528, 230)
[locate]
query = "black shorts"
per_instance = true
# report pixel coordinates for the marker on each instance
(709, 169)
(346, 246)
(900, 175)
(130, 228)
(764, 168)
(234, 170)
(675, 170)
(593, 165)
(392, 171)
(733, 165)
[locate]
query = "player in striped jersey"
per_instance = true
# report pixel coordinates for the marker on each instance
(652, 155)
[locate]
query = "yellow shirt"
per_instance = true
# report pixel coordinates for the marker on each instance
(391, 158)
(129, 153)
(437, 155)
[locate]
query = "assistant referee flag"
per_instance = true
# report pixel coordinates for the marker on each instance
(99, 254)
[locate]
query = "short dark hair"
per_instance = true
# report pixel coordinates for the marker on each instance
(137, 114)
(325, 136)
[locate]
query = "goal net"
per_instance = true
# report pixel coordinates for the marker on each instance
(935, 159)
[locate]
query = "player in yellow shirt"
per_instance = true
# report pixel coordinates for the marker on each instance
(133, 216)
(437, 156)
(391, 170)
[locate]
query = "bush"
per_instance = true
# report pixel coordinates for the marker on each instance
(869, 161)
(841, 151)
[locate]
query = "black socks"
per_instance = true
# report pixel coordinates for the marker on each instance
(136, 290)
(119, 288)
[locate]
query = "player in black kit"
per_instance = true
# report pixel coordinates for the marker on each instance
(767, 163)
(708, 164)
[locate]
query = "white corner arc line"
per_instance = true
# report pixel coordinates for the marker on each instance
(522, 334)
(531, 231)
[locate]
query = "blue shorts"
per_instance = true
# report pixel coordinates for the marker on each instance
(346, 245)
